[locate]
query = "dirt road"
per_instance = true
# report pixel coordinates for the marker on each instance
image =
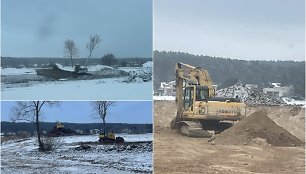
(174, 153)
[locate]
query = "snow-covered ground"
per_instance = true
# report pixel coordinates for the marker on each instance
(291, 101)
(62, 89)
(23, 71)
(90, 68)
(15, 71)
(98, 89)
(127, 138)
(163, 97)
(23, 157)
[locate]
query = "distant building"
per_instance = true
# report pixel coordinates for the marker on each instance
(167, 89)
(94, 131)
(278, 91)
(79, 131)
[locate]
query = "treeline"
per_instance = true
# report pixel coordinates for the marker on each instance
(226, 71)
(37, 62)
(7, 127)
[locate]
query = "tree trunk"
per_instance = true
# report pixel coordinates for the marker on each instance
(71, 61)
(40, 143)
(104, 124)
(88, 59)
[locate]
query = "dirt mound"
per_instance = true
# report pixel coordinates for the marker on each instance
(257, 126)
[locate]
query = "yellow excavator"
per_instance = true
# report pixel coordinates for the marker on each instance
(109, 137)
(199, 112)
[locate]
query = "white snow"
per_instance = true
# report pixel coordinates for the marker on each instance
(148, 64)
(98, 67)
(101, 89)
(22, 156)
(15, 71)
(276, 84)
(291, 101)
(127, 138)
(129, 69)
(163, 97)
(90, 68)
(22, 71)
(67, 68)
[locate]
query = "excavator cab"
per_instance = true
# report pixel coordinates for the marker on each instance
(202, 93)
(194, 93)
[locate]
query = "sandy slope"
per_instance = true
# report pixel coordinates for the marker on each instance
(174, 153)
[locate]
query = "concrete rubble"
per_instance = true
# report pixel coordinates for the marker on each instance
(249, 95)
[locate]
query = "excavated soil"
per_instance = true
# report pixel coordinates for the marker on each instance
(257, 128)
(175, 153)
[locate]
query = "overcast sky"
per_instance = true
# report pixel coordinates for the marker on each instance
(241, 29)
(38, 28)
(81, 112)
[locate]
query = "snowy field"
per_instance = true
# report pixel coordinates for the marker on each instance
(22, 157)
(98, 89)
(15, 71)
(127, 138)
(291, 101)
(63, 89)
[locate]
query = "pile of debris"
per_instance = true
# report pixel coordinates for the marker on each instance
(257, 128)
(60, 130)
(127, 147)
(143, 74)
(249, 96)
(57, 71)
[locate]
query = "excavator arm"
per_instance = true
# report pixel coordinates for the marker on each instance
(194, 75)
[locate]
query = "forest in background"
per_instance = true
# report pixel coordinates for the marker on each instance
(37, 62)
(226, 71)
(7, 127)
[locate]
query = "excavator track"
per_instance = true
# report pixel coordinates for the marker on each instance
(193, 129)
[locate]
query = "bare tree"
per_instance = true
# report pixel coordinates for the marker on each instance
(93, 43)
(70, 50)
(30, 111)
(101, 109)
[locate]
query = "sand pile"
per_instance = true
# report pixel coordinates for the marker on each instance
(257, 128)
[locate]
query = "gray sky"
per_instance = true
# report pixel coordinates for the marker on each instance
(241, 29)
(38, 28)
(81, 112)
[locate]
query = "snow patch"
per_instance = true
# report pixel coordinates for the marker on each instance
(291, 101)
(148, 64)
(163, 97)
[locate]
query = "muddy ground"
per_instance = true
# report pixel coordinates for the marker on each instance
(174, 153)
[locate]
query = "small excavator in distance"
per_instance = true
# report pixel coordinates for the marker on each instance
(109, 137)
(199, 112)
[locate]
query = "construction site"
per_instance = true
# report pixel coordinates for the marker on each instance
(201, 132)
(271, 142)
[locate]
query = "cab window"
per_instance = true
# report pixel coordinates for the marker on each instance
(201, 94)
